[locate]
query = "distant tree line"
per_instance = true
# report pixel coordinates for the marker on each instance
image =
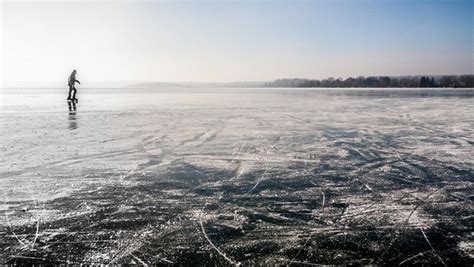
(465, 81)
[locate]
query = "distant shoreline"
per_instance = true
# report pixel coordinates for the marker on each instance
(443, 81)
(422, 81)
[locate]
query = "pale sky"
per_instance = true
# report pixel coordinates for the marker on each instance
(216, 41)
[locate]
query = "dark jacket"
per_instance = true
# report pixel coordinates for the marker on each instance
(72, 80)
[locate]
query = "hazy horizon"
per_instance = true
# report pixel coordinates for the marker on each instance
(209, 41)
(111, 84)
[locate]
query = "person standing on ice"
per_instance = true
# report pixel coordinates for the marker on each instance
(71, 83)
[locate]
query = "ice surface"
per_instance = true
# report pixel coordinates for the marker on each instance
(219, 176)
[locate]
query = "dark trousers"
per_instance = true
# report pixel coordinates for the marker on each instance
(72, 90)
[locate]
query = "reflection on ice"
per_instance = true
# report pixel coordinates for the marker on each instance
(72, 116)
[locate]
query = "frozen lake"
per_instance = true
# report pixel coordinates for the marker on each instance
(218, 176)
